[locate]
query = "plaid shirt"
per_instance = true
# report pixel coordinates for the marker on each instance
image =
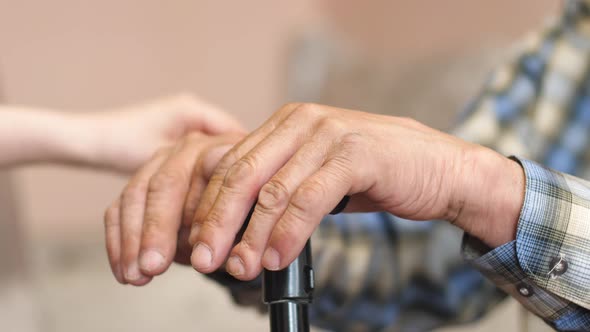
(541, 107)
(378, 272)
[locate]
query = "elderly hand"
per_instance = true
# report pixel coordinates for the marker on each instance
(148, 226)
(299, 164)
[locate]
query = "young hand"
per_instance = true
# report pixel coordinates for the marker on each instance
(129, 136)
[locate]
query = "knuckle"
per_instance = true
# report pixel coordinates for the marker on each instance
(272, 195)
(351, 151)
(153, 230)
(163, 181)
(307, 110)
(151, 224)
(304, 197)
(242, 169)
(331, 124)
(212, 221)
(352, 141)
(349, 146)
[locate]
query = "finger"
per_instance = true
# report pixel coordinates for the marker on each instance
(230, 158)
(239, 190)
(166, 195)
(131, 215)
(215, 182)
(314, 199)
(113, 240)
(273, 199)
(196, 114)
(202, 172)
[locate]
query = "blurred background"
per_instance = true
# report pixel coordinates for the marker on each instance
(404, 57)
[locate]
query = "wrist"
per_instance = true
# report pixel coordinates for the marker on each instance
(489, 196)
(103, 143)
(75, 140)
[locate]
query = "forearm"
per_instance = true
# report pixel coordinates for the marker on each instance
(33, 135)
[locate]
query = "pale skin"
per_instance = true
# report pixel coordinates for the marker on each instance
(119, 139)
(296, 167)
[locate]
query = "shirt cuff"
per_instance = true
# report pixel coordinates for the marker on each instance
(545, 268)
(501, 267)
(553, 234)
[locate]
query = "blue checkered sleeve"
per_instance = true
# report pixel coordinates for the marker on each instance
(546, 267)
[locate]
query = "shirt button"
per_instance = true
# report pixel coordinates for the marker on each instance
(525, 290)
(558, 266)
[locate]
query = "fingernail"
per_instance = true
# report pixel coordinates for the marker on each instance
(201, 257)
(132, 273)
(151, 260)
(235, 266)
(271, 259)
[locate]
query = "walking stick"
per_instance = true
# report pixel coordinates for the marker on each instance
(289, 292)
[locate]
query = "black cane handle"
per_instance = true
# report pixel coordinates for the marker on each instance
(288, 292)
(341, 206)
